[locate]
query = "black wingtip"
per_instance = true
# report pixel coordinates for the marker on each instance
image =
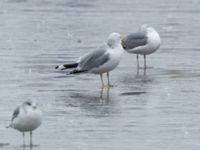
(56, 67)
(77, 71)
(63, 68)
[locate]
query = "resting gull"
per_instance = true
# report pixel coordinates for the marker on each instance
(26, 118)
(144, 42)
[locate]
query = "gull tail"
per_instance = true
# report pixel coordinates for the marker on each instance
(67, 66)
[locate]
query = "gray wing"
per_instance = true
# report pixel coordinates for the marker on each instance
(16, 113)
(94, 59)
(134, 40)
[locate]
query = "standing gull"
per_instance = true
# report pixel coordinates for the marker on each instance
(100, 61)
(26, 118)
(144, 42)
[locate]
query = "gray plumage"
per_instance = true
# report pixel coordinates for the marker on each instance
(16, 113)
(134, 40)
(93, 60)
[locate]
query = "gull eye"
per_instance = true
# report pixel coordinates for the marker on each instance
(28, 103)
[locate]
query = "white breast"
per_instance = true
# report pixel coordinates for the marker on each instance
(28, 121)
(154, 41)
(114, 59)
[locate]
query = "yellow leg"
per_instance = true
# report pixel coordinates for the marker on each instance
(24, 144)
(145, 65)
(109, 85)
(102, 84)
(31, 144)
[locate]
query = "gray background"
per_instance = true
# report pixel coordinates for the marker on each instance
(159, 111)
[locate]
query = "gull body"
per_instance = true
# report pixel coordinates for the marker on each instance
(144, 42)
(100, 61)
(26, 118)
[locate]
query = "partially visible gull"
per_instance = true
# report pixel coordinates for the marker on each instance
(144, 42)
(99, 61)
(26, 118)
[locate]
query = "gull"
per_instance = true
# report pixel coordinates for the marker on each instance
(144, 42)
(26, 118)
(100, 61)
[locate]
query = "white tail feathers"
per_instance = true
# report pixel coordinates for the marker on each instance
(61, 67)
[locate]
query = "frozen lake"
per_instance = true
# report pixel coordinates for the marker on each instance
(159, 111)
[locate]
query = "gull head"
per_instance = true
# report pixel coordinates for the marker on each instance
(146, 28)
(30, 105)
(114, 39)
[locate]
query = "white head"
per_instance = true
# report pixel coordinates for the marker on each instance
(147, 28)
(143, 27)
(30, 105)
(114, 39)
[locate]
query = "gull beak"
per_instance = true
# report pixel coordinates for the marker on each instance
(34, 107)
(122, 39)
